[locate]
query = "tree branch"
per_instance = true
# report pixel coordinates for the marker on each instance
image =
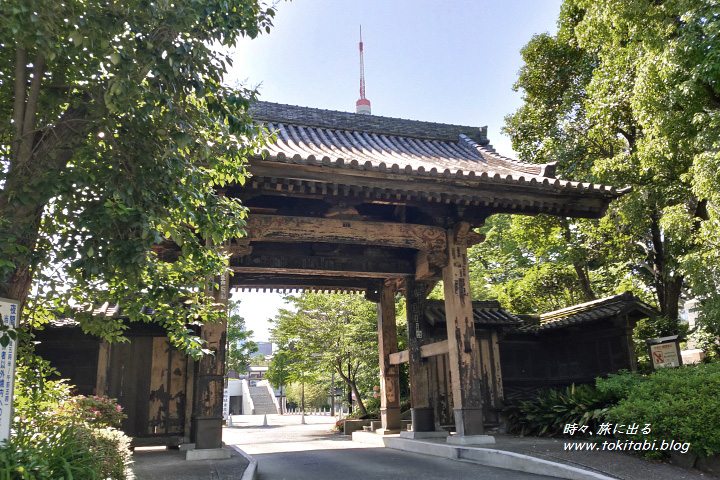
(19, 104)
(31, 106)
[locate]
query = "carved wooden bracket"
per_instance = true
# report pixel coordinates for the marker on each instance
(464, 235)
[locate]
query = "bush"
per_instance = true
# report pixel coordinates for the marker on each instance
(548, 414)
(96, 411)
(619, 386)
(680, 404)
(56, 435)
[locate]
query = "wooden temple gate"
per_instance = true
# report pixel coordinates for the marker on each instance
(346, 202)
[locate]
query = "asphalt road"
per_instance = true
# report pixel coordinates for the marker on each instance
(287, 450)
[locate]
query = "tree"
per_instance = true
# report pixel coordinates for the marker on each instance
(626, 94)
(240, 347)
(334, 332)
(116, 133)
(280, 371)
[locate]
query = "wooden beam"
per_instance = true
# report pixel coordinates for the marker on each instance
(430, 350)
(423, 418)
(325, 265)
(277, 228)
(389, 373)
(211, 377)
(399, 357)
(282, 280)
(463, 355)
(433, 349)
(537, 197)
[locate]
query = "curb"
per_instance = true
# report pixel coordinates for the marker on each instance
(251, 470)
(484, 456)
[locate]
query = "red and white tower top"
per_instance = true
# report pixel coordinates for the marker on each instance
(362, 106)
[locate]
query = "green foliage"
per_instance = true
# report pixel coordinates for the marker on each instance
(56, 435)
(625, 94)
(98, 412)
(681, 404)
(240, 347)
(259, 360)
(620, 385)
(331, 332)
(548, 414)
(279, 371)
(315, 394)
(116, 132)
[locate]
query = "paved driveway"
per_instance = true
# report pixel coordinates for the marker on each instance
(287, 450)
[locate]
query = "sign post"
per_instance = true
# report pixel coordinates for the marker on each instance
(9, 315)
(226, 404)
(664, 352)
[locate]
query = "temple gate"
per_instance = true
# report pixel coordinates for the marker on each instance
(362, 203)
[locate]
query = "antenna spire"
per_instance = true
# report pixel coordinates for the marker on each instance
(362, 106)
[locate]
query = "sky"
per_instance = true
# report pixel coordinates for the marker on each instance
(448, 62)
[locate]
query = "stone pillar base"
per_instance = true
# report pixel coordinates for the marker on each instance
(208, 454)
(386, 431)
(423, 419)
(470, 439)
(421, 435)
(208, 433)
(390, 418)
(469, 421)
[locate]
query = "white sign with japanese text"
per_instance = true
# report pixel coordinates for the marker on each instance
(226, 403)
(9, 315)
(664, 355)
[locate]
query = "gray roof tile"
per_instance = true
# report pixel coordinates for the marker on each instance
(367, 142)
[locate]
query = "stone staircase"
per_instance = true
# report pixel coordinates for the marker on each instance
(262, 401)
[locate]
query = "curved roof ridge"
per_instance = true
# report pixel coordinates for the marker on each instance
(335, 119)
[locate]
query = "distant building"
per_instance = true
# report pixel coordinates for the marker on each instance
(255, 374)
(265, 348)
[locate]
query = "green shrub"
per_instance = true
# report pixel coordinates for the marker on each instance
(548, 414)
(96, 411)
(40, 453)
(680, 404)
(56, 435)
(620, 385)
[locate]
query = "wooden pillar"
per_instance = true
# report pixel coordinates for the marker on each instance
(211, 377)
(389, 374)
(463, 350)
(423, 418)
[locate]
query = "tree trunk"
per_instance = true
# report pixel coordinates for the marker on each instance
(581, 271)
(353, 388)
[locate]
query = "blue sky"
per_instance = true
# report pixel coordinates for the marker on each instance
(449, 62)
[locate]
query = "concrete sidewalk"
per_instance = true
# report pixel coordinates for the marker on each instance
(162, 464)
(528, 454)
(541, 456)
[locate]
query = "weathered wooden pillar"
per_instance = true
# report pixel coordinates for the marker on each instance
(423, 418)
(462, 345)
(389, 374)
(207, 421)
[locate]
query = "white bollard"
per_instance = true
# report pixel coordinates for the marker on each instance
(265, 421)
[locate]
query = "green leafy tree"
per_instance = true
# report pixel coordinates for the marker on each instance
(280, 371)
(116, 132)
(626, 94)
(240, 347)
(333, 332)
